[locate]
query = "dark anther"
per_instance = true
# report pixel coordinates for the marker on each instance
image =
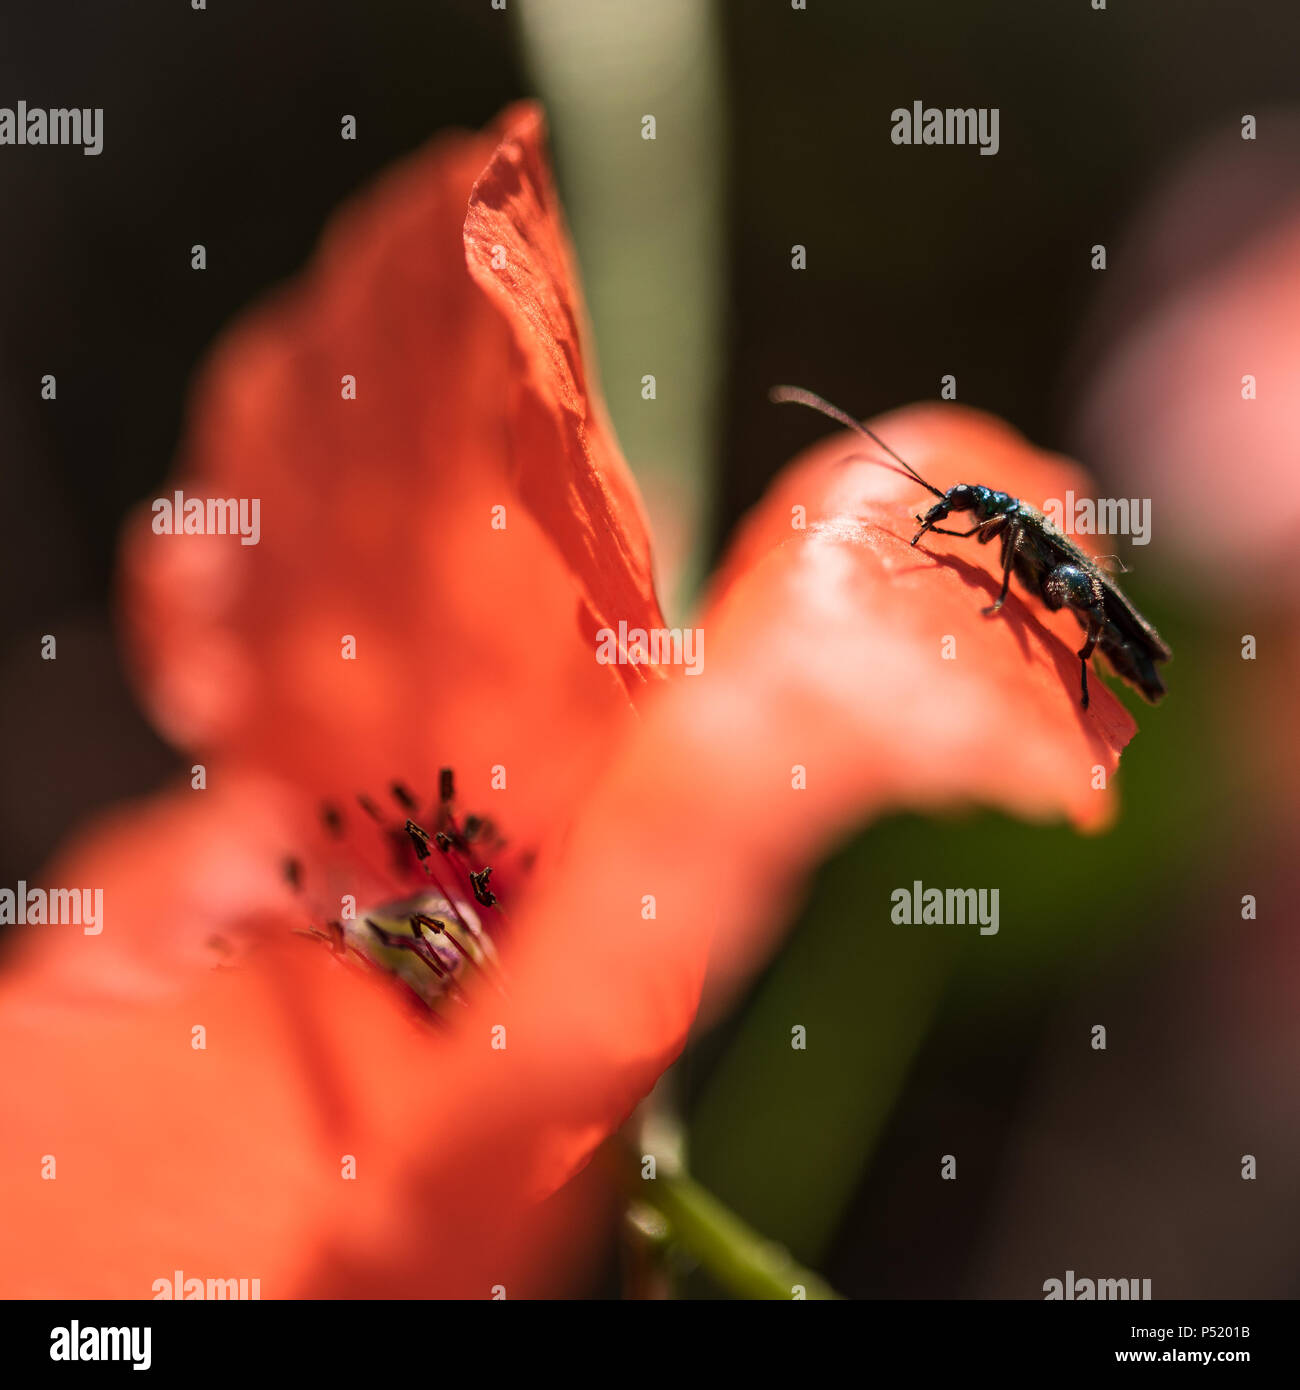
(293, 872)
(444, 841)
(419, 838)
(370, 809)
(446, 785)
(422, 920)
(402, 795)
(332, 819)
(473, 827)
(481, 890)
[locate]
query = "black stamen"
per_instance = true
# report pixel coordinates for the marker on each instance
(481, 890)
(422, 920)
(456, 930)
(419, 838)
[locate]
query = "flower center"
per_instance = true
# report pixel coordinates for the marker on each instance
(426, 917)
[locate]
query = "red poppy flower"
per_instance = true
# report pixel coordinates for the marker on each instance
(1194, 401)
(465, 518)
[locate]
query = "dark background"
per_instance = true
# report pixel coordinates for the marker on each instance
(222, 127)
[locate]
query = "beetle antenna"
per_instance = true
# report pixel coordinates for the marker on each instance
(782, 394)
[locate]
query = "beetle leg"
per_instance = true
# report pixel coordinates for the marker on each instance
(1095, 618)
(925, 526)
(1010, 540)
(986, 529)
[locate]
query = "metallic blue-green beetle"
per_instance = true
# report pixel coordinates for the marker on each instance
(1047, 562)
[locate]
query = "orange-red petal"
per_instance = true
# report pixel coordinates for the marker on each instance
(412, 520)
(280, 1118)
(518, 251)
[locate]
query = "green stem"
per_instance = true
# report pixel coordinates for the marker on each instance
(741, 1260)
